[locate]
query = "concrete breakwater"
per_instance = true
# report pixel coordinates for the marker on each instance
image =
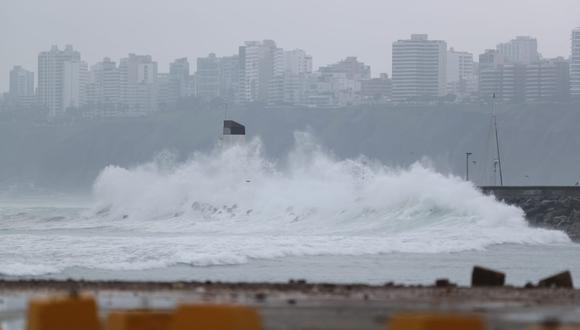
(548, 207)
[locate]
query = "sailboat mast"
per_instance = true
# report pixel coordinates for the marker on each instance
(497, 142)
(221, 138)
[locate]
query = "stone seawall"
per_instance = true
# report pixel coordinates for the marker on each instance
(547, 207)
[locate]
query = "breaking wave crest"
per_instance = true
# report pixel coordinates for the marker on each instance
(233, 205)
(236, 191)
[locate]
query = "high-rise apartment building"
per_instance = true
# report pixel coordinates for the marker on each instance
(217, 77)
(104, 84)
(62, 79)
(487, 70)
(175, 85)
(258, 63)
(575, 65)
(291, 71)
(21, 84)
(229, 77)
(505, 81)
(419, 68)
(179, 68)
(515, 73)
(74, 84)
(548, 80)
(490, 58)
(459, 65)
(207, 77)
(460, 73)
(297, 61)
(521, 50)
(179, 77)
(138, 80)
(166, 94)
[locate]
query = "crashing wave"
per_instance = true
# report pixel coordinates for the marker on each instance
(233, 205)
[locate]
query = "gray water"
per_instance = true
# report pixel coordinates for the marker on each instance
(521, 263)
(48, 226)
(234, 215)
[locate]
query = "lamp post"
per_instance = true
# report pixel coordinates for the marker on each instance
(467, 154)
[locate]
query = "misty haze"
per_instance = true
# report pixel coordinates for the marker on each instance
(171, 145)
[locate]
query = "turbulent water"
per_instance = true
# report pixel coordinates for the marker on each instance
(233, 206)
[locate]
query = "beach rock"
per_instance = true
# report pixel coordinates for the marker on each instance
(561, 280)
(444, 283)
(486, 277)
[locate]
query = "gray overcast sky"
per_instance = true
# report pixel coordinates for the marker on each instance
(328, 29)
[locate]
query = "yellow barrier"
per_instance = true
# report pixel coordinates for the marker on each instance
(138, 320)
(554, 327)
(63, 313)
(215, 317)
(435, 322)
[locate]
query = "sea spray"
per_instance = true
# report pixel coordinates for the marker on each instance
(233, 205)
(237, 191)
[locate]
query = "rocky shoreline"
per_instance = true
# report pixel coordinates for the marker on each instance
(261, 291)
(545, 207)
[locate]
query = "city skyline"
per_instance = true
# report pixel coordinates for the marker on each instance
(424, 70)
(375, 73)
(193, 32)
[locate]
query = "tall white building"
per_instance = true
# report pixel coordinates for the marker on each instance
(21, 83)
(291, 70)
(74, 83)
(258, 61)
(419, 68)
(138, 79)
(521, 50)
(207, 77)
(505, 81)
(229, 77)
(489, 59)
(104, 83)
(217, 77)
(575, 65)
(297, 62)
(459, 65)
(548, 80)
(175, 85)
(62, 78)
(179, 78)
(460, 73)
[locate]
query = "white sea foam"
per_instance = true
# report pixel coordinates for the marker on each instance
(233, 205)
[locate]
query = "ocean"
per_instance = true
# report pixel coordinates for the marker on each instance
(233, 215)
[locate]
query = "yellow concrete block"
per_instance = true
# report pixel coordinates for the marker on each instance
(215, 317)
(138, 320)
(435, 322)
(555, 327)
(63, 313)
